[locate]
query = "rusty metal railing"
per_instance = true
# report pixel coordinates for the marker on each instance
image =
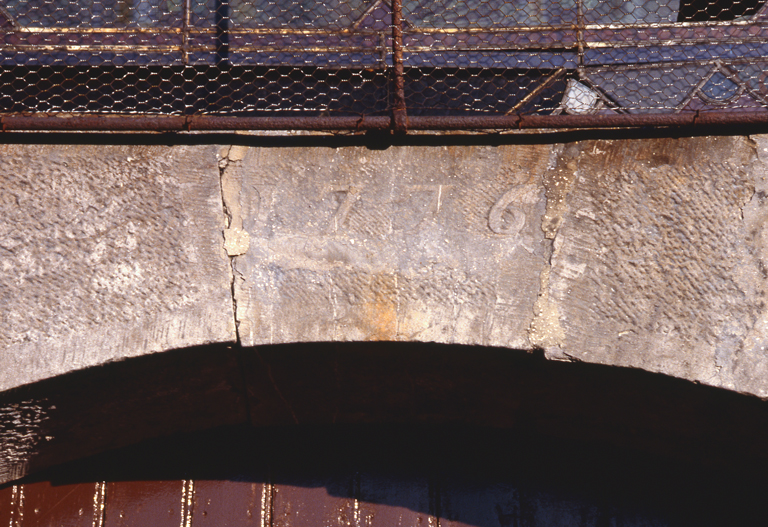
(380, 65)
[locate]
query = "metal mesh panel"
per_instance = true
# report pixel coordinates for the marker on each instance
(382, 63)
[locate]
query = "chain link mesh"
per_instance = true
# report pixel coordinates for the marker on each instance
(332, 58)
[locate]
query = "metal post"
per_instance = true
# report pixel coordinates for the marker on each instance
(185, 23)
(399, 111)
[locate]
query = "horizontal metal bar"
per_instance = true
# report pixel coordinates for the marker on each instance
(673, 25)
(425, 30)
(554, 47)
(438, 49)
(64, 122)
(640, 66)
(493, 122)
(642, 120)
(162, 30)
(211, 122)
(163, 123)
(165, 50)
(709, 41)
(166, 123)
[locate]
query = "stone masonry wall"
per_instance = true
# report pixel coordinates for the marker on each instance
(646, 253)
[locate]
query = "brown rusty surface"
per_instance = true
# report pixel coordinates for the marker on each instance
(145, 503)
(400, 121)
(9, 505)
(164, 123)
(230, 503)
(306, 502)
(74, 505)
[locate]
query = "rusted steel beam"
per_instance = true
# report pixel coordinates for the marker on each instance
(399, 111)
(456, 122)
(164, 123)
(318, 123)
(491, 122)
(64, 122)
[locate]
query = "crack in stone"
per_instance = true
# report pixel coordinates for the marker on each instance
(232, 214)
(545, 331)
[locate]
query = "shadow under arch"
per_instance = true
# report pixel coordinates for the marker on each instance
(463, 435)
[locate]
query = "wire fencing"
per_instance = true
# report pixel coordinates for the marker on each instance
(388, 64)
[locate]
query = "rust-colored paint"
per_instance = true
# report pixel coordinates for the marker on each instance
(230, 503)
(47, 505)
(308, 504)
(400, 122)
(147, 503)
(8, 504)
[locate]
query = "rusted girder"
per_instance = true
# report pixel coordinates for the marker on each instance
(166, 123)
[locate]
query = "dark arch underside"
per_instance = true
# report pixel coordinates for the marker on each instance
(455, 434)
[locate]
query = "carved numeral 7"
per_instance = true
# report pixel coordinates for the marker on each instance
(346, 197)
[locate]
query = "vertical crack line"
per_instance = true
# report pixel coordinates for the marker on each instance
(99, 502)
(545, 331)
(332, 297)
(223, 165)
(397, 307)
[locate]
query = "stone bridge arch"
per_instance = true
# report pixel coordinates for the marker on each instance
(142, 261)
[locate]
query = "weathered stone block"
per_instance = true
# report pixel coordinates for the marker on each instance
(656, 264)
(421, 244)
(108, 252)
(641, 253)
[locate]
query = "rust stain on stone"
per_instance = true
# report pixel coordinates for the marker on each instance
(381, 316)
(380, 311)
